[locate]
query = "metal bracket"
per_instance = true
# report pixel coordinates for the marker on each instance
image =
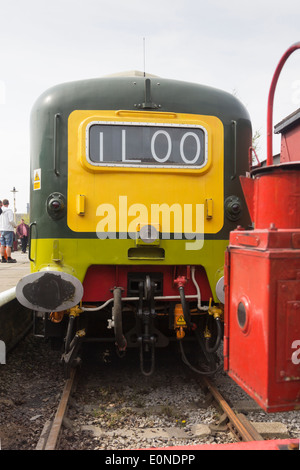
(148, 103)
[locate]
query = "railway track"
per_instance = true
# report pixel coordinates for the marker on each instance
(113, 407)
(49, 439)
(238, 424)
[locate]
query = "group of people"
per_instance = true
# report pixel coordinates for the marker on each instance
(7, 226)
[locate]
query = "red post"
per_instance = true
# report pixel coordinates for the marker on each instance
(282, 61)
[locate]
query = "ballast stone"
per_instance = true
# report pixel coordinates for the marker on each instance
(272, 430)
(198, 430)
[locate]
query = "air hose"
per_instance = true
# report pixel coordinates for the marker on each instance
(117, 317)
(208, 356)
(198, 371)
(185, 308)
(215, 347)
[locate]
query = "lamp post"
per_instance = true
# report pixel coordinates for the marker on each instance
(14, 191)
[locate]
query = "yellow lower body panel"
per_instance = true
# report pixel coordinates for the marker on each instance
(75, 256)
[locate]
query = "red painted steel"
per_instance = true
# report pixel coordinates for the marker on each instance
(262, 316)
(262, 291)
(278, 444)
(290, 143)
(273, 196)
(100, 280)
(281, 63)
(289, 129)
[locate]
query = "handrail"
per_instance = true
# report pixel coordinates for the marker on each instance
(281, 63)
(234, 125)
(55, 149)
(30, 240)
(146, 113)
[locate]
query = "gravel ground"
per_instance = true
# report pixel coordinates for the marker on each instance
(30, 386)
(118, 408)
(114, 407)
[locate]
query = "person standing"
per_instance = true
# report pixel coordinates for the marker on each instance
(22, 232)
(7, 226)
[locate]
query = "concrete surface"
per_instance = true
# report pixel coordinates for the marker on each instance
(10, 274)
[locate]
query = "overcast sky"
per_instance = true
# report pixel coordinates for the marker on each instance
(233, 45)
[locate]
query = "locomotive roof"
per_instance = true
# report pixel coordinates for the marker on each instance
(127, 90)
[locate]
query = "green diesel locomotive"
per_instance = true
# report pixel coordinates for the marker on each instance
(134, 190)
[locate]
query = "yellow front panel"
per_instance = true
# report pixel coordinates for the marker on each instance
(108, 198)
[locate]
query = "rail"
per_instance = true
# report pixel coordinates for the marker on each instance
(50, 435)
(239, 422)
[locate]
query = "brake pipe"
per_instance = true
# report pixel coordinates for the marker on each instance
(128, 299)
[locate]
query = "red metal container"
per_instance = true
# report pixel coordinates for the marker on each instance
(273, 196)
(262, 276)
(262, 291)
(262, 324)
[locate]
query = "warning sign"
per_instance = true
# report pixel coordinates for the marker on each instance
(37, 179)
(180, 321)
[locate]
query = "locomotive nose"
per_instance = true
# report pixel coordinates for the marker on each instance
(49, 291)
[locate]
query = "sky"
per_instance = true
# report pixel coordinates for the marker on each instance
(233, 45)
